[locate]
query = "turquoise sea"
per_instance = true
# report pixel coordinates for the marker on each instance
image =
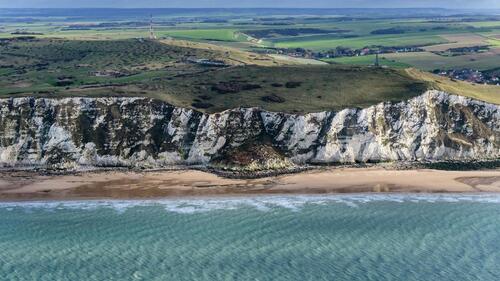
(331, 237)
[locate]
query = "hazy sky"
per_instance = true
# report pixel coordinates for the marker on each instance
(458, 4)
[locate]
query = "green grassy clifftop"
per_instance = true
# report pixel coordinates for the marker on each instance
(170, 71)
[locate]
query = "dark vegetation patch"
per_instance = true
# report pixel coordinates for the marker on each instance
(470, 49)
(273, 98)
(115, 25)
(460, 51)
(272, 19)
(278, 32)
(462, 166)
(233, 87)
(392, 30)
(100, 55)
(493, 72)
(201, 105)
(205, 97)
(416, 87)
(278, 23)
(64, 82)
(212, 20)
(25, 33)
(258, 153)
(292, 84)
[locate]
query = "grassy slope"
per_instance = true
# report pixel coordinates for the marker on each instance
(321, 87)
(488, 93)
(208, 34)
(35, 66)
(332, 87)
(159, 71)
(233, 55)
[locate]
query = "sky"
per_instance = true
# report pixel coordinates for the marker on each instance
(456, 4)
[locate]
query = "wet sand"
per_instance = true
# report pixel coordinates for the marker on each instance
(22, 185)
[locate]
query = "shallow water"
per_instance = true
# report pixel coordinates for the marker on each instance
(334, 237)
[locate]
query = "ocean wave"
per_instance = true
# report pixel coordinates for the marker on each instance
(261, 203)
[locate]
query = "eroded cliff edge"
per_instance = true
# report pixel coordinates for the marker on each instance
(143, 133)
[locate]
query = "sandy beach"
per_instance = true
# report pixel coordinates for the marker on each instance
(23, 185)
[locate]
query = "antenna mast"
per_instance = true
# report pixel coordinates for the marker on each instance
(152, 35)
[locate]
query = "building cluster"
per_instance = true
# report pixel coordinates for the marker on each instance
(463, 51)
(6, 41)
(208, 62)
(109, 73)
(471, 75)
(342, 52)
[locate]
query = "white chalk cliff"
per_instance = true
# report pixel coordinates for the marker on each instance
(140, 132)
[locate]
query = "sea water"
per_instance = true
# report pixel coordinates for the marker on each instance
(332, 237)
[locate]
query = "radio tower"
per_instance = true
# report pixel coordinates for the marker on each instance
(152, 35)
(377, 63)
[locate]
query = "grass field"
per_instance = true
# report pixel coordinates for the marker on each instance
(494, 42)
(383, 40)
(297, 88)
(484, 24)
(458, 41)
(60, 30)
(430, 61)
(205, 34)
(294, 89)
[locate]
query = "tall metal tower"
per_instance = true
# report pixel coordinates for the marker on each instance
(377, 63)
(152, 35)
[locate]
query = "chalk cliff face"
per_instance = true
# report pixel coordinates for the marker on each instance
(136, 132)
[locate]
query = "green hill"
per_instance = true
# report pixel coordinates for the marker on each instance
(171, 72)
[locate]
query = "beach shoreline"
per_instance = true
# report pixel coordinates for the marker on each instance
(90, 185)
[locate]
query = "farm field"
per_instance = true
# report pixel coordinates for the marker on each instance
(458, 41)
(123, 33)
(494, 40)
(430, 61)
(385, 40)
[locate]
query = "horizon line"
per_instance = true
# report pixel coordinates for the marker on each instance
(279, 8)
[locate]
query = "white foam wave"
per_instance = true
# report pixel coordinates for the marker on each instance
(261, 203)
